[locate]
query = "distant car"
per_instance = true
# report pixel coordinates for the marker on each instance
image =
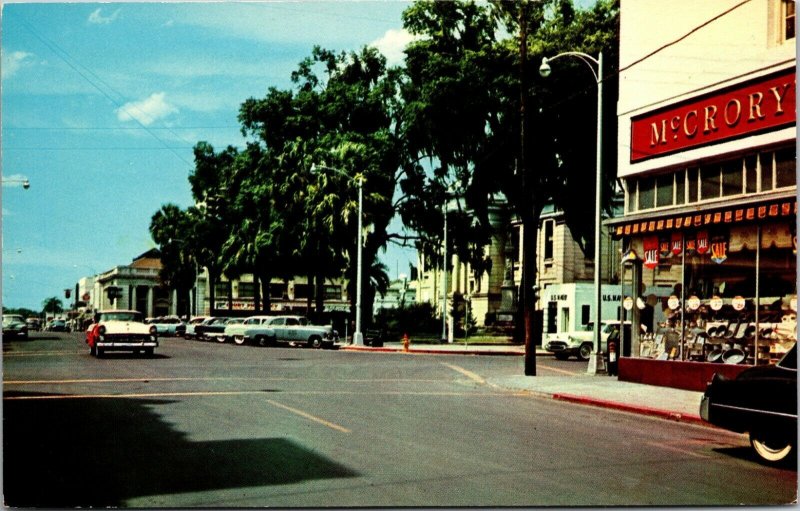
(192, 324)
(291, 329)
(14, 326)
(760, 401)
(580, 343)
(57, 325)
(212, 328)
(168, 325)
(34, 324)
(121, 330)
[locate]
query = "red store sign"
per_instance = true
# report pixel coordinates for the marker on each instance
(756, 106)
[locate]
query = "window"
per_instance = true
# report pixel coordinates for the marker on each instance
(333, 292)
(732, 180)
(664, 190)
(766, 172)
(789, 9)
(630, 191)
(709, 182)
(303, 291)
(646, 193)
(693, 188)
(552, 317)
(585, 313)
(222, 288)
(751, 172)
(247, 289)
(680, 187)
(548, 239)
(785, 165)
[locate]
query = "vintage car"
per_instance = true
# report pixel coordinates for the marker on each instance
(34, 324)
(193, 323)
(120, 330)
(289, 329)
(14, 326)
(168, 325)
(57, 325)
(235, 331)
(215, 330)
(580, 343)
(760, 401)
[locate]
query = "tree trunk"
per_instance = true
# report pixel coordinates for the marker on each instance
(212, 278)
(256, 293)
(310, 293)
(266, 293)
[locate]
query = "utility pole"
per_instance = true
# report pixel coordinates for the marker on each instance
(529, 230)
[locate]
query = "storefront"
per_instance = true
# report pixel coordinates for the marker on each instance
(710, 214)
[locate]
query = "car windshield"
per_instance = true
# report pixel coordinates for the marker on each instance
(120, 316)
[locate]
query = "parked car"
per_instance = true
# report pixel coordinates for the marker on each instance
(57, 325)
(34, 324)
(215, 329)
(235, 331)
(168, 325)
(581, 342)
(121, 330)
(193, 323)
(760, 401)
(291, 329)
(14, 326)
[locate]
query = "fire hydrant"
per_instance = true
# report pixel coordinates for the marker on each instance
(612, 356)
(406, 342)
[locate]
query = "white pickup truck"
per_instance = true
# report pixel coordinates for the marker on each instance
(269, 330)
(581, 342)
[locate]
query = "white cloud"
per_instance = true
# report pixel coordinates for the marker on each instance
(146, 111)
(98, 19)
(14, 180)
(392, 44)
(13, 61)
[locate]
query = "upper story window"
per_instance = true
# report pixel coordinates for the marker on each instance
(548, 238)
(789, 7)
(755, 173)
(247, 289)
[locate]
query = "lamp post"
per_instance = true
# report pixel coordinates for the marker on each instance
(358, 336)
(24, 182)
(596, 364)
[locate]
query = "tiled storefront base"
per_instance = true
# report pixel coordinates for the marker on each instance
(672, 373)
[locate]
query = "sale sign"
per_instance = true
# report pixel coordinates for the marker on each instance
(650, 252)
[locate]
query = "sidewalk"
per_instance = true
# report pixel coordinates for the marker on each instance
(601, 390)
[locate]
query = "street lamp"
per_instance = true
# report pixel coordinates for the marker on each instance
(358, 337)
(24, 182)
(596, 360)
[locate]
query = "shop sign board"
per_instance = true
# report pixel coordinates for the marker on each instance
(693, 303)
(715, 303)
(738, 303)
(627, 303)
(759, 105)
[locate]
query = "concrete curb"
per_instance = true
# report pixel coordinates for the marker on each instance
(639, 409)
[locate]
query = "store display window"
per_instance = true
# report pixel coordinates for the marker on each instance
(731, 294)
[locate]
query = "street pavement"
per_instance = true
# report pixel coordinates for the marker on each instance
(581, 388)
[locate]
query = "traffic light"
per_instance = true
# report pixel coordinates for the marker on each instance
(67, 293)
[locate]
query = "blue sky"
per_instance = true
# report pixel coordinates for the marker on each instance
(102, 103)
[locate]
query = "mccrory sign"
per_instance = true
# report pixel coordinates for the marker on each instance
(759, 105)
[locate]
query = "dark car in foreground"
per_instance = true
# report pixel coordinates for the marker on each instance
(760, 401)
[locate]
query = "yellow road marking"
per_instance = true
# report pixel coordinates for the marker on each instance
(309, 416)
(468, 374)
(562, 371)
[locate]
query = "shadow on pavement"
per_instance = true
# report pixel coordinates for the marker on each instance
(68, 453)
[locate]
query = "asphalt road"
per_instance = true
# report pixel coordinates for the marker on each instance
(203, 424)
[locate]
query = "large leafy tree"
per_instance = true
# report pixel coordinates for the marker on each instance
(52, 305)
(169, 228)
(477, 110)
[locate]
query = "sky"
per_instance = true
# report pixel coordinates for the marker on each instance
(102, 104)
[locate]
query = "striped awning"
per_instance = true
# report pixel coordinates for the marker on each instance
(695, 218)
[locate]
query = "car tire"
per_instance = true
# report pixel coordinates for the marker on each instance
(239, 341)
(221, 339)
(561, 356)
(585, 351)
(148, 352)
(92, 351)
(315, 342)
(772, 449)
(99, 352)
